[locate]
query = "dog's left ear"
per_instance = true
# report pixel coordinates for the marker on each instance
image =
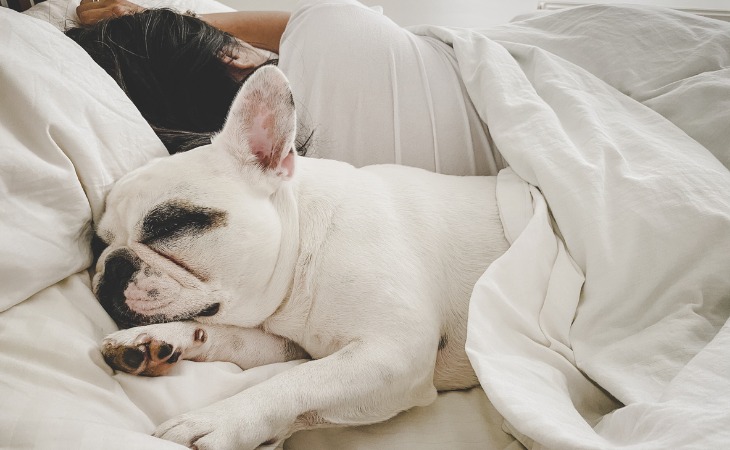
(261, 125)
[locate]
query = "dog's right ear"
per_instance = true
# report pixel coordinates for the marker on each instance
(261, 125)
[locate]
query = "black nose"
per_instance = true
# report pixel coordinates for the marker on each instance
(119, 268)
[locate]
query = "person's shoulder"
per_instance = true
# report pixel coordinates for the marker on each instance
(307, 4)
(331, 23)
(323, 9)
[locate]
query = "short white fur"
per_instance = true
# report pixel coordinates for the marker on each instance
(369, 270)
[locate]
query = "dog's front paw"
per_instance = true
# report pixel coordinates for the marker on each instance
(144, 350)
(223, 425)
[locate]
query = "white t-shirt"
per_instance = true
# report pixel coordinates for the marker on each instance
(374, 92)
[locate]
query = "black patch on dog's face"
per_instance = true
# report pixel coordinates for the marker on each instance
(175, 218)
(97, 246)
(119, 268)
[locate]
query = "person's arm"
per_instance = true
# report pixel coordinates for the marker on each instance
(262, 29)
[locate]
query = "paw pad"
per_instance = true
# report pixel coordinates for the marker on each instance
(150, 357)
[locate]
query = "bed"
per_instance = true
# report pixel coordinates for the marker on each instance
(603, 326)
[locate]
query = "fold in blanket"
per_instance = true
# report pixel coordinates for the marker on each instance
(638, 206)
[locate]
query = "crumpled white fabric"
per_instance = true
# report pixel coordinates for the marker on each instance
(637, 206)
(62, 148)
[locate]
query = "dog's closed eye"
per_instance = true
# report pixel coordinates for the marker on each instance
(176, 218)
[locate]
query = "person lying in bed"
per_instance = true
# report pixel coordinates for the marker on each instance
(372, 91)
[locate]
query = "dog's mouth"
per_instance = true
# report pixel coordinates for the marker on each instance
(211, 310)
(145, 306)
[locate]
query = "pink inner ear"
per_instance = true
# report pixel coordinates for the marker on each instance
(261, 140)
(261, 125)
(287, 164)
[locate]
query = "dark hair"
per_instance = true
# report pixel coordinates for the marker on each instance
(170, 66)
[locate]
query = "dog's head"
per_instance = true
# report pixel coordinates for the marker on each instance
(198, 235)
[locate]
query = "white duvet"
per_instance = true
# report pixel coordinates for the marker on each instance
(612, 331)
(609, 334)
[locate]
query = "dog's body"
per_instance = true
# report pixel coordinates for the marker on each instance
(369, 271)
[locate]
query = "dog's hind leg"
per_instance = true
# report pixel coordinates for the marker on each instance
(153, 350)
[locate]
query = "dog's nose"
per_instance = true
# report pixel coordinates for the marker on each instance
(119, 268)
(121, 264)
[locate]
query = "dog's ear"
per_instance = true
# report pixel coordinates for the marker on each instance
(261, 125)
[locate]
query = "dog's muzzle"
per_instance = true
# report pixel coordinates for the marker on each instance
(119, 269)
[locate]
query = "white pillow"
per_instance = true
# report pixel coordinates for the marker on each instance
(62, 13)
(67, 132)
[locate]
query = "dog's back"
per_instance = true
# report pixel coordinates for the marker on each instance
(403, 229)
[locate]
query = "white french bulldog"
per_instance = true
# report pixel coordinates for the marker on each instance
(253, 255)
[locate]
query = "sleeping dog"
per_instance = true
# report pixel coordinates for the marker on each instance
(241, 251)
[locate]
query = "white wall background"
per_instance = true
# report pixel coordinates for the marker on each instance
(466, 13)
